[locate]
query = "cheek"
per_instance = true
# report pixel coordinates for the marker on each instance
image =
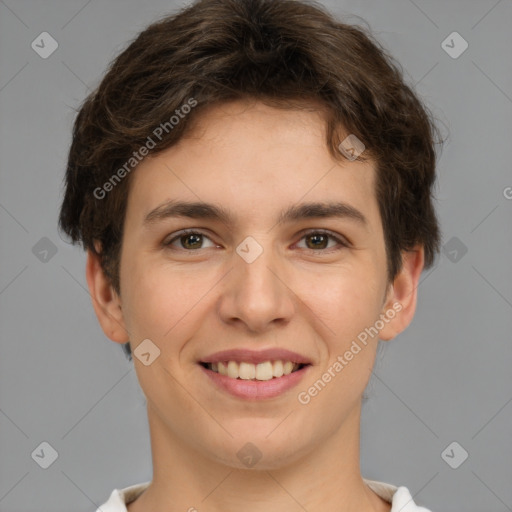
(348, 310)
(162, 302)
(346, 301)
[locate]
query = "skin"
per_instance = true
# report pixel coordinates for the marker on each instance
(254, 160)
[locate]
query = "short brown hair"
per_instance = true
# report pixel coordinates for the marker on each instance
(282, 52)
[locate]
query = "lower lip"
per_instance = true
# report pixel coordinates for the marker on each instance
(256, 389)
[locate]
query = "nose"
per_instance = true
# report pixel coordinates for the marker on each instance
(256, 294)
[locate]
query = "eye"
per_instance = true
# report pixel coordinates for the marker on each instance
(320, 238)
(188, 239)
(192, 240)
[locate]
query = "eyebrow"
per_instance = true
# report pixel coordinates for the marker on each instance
(202, 210)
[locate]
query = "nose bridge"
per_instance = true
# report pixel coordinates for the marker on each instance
(254, 262)
(256, 275)
(256, 294)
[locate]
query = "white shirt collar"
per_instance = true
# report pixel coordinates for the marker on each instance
(399, 497)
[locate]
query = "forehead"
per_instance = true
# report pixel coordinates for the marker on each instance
(254, 157)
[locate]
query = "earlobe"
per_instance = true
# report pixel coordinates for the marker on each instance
(400, 304)
(105, 301)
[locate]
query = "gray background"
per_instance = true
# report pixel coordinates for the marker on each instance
(446, 379)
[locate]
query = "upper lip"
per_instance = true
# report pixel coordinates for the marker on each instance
(256, 356)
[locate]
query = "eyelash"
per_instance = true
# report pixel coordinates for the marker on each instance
(341, 242)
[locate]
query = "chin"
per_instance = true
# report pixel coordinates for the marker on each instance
(255, 451)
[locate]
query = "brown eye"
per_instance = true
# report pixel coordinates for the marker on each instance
(192, 241)
(319, 240)
(188, 240)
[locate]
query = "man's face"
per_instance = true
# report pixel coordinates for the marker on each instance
(253, 283)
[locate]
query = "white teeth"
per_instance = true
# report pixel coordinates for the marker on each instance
(233, 369)
(222, 369)
(263, 371)
(278, 369)
(287, 367)
(248, 371)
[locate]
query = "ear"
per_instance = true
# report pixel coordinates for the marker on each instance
(106, 302)
(400, 303)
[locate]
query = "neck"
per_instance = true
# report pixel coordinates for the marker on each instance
(326, 478)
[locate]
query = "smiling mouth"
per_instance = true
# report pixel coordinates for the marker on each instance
(267, 370)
